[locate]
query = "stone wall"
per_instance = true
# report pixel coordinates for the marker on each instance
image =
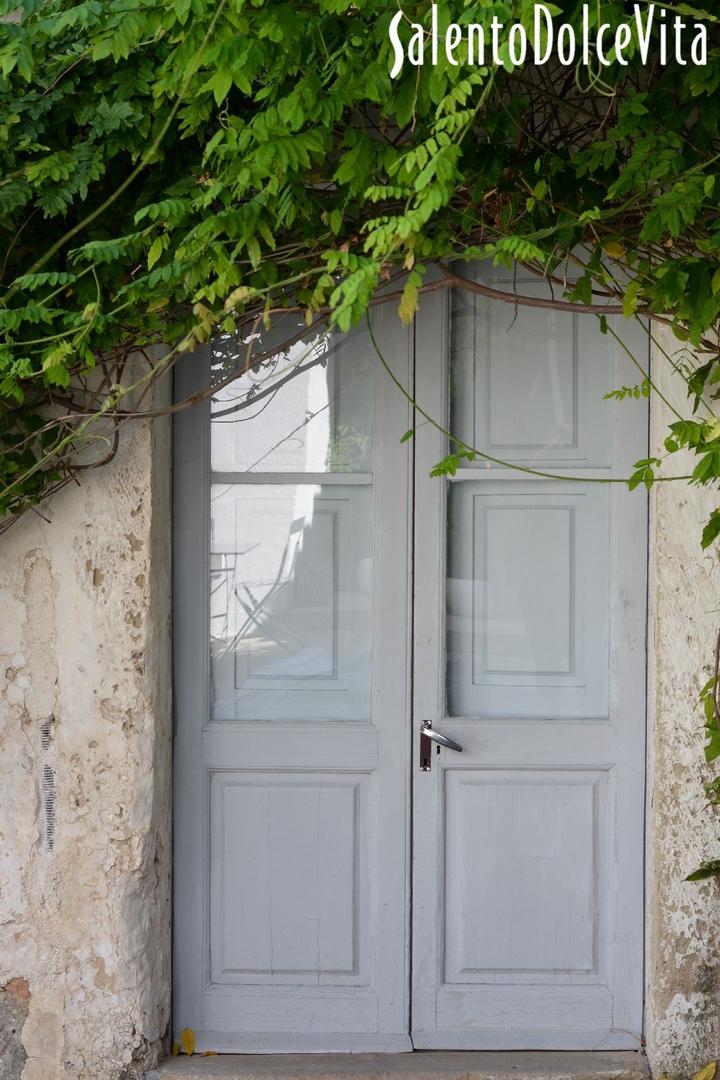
(85, 734)
(683, 918)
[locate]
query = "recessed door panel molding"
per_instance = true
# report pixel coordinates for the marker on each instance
(524, 866)
(525, 382)
(300, 915)
(528, 844)
(528, 601)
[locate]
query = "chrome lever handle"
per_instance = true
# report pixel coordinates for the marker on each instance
(427, 735)
(438, 737)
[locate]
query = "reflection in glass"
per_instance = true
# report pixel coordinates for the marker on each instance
(309, 409)
(290, 584)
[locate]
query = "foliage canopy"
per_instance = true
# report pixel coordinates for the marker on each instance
(175, 169)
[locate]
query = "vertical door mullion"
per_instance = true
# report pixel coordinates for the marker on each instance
(392, 644)
(432, 370)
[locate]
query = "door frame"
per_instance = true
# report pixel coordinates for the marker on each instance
(191, 478)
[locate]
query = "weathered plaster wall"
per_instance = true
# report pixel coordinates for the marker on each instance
(683, 918)
(85, 735)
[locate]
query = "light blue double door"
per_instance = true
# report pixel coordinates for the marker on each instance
(338, 886)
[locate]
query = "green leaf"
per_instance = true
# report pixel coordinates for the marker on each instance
(53, 278)
(708, 869)
(156, 250)
(253, 250)
(712, 747)
(447, 467)
(630, 299)
(220, 85)
(711, 530)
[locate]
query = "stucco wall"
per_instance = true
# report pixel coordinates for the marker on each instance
(683, 918)
(85, 787)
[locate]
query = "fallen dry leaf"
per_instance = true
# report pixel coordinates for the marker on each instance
(187, 1040)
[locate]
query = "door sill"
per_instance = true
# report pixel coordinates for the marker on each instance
(422, 1065)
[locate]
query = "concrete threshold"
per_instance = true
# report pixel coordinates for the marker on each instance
(422, 1065)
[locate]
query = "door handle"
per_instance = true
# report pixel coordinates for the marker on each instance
(426, 735)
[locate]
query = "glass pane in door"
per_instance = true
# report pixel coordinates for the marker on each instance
(291, 577)
(309, 409)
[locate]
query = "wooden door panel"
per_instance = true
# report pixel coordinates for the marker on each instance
(523, 869)
(528, 845)
(532, 404)
(289, 878)
(527, 599)
(293, 734)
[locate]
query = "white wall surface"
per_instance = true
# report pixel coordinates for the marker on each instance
(683, 918)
